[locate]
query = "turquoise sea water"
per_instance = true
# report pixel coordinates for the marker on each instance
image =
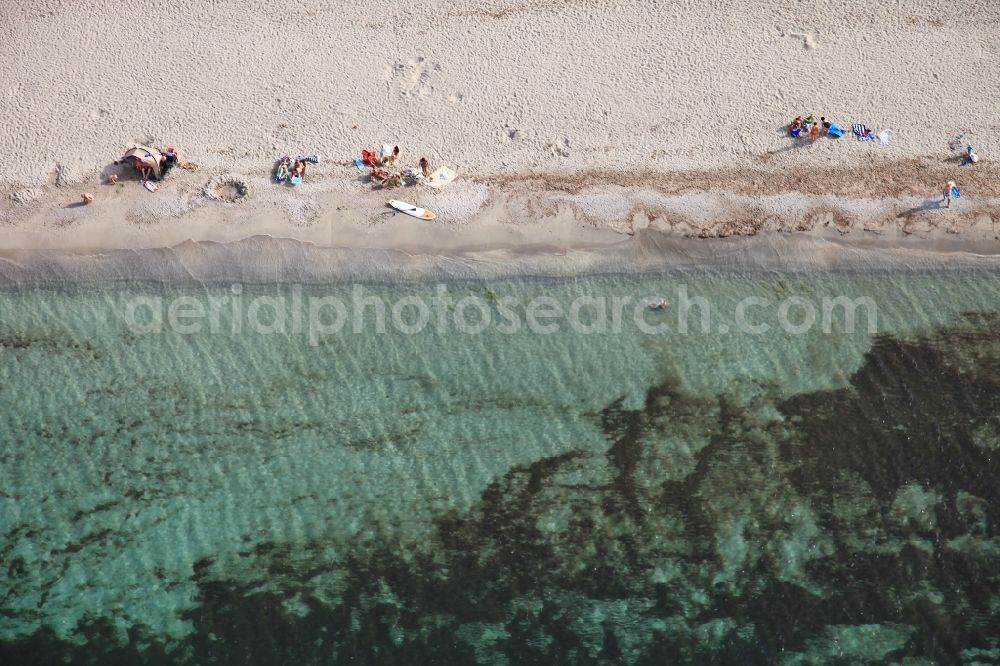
(238, 495)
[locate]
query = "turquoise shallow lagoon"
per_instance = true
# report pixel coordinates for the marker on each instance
(263, 492)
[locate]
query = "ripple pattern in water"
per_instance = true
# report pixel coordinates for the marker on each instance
(504, 498)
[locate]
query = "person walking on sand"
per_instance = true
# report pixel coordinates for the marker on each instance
(950, 190)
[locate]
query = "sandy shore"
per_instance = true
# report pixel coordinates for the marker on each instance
(263, 259)
(572, 124)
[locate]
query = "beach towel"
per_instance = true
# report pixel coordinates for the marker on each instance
(369, 157)
(441, 177)
(861, 131)
(360, 164)
(386, 151)
(884, 136)
(835, 131)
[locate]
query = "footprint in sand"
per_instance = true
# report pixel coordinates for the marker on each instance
(559, 148)
(808, 40)
(413, 78)
(59, 175)
(98, 114)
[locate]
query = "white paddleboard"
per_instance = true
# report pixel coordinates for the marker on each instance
(410, 209)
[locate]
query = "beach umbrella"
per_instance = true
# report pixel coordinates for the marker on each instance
(144, 156)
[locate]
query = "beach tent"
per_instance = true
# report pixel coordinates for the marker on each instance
(144, 156)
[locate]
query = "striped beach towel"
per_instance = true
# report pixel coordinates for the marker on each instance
(862, 132)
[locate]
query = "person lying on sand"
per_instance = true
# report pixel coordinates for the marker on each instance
(283, 174)
(144, 171)
(299, 170)
(380, 176)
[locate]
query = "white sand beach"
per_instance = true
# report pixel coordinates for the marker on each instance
(564, 119)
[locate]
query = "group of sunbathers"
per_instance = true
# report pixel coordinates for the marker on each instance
(294, 171)
(166, 161)
(289, 171)
(382, 176)
(812, 129)
(385, 178)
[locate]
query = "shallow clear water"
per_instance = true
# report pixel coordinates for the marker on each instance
(301, 496)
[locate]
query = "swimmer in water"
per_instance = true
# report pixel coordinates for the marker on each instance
(661, 304)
